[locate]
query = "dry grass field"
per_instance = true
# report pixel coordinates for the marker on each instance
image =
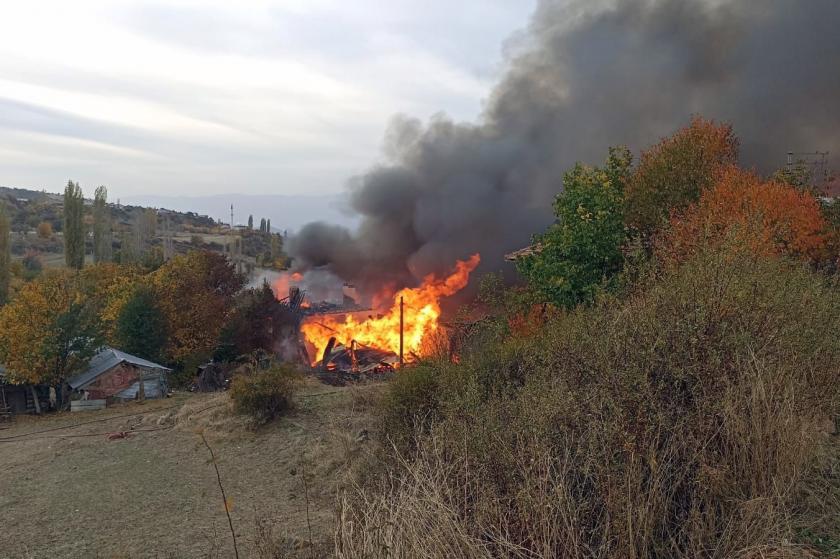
(75, 491)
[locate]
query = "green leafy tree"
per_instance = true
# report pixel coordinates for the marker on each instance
(101, 226)
(74, 227)
(147, 228)
(582, 250)
(5, 255)
(797, 175)
(276, 247)
(129, 246)
(254, 323)
(141, 326)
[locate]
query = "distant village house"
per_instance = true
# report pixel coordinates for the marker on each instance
(111, 375)
(115, 375)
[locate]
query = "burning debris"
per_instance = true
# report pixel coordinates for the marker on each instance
(327, 307)
(402, 328)
(351, 338)
(357, 358)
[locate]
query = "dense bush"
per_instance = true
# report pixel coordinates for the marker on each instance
(410, 404)
(264, 394)
(682, 421)
(254, 324)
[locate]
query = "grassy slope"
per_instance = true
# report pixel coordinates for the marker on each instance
(155, 494)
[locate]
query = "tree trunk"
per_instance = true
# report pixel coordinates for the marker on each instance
(35, 399)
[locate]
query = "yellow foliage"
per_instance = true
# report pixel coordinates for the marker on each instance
(110, 286)
(194, 292)
(45, 230)
(26, 326)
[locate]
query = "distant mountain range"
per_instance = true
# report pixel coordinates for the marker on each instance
(285, 212)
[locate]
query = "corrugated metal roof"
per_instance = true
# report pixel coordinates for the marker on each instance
(154, 388)
(106, 360)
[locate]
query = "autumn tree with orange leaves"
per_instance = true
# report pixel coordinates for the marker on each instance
(673, 174)
(770, 216)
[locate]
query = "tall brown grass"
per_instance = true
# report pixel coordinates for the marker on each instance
(681, 421)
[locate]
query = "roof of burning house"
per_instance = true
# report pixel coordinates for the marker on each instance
(106, 360)
(523, 252)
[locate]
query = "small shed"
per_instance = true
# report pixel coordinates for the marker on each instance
(20, 398)
(113, 374)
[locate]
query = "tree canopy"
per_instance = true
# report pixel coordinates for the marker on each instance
(74, 227)
(101, 226)
(770, 216)
(5, 254)
(583, 249)
(140, 326)
(253, 324)
(672, 174)
(49, 331)
(195, 293)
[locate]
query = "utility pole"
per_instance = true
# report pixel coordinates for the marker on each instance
(401, 332)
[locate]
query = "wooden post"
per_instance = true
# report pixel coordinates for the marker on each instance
(141, 388)
(401, 332)
(354, 362)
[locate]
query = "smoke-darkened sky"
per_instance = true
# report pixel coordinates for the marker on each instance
(584, 76)
(494, 99)
(196, 97)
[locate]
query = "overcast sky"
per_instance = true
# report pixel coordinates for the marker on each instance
(201, 97)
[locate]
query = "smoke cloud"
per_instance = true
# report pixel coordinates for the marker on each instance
(582, 77)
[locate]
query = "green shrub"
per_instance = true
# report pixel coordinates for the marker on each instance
(410, 402)
(264, 394)
(681, 421)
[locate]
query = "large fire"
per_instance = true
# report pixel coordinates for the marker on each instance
(421, 310)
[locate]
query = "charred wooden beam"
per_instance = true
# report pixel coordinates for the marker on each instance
(325, 360)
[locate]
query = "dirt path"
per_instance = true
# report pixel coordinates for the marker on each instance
(155, 493)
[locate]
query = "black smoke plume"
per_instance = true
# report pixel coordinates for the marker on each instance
(579, 79)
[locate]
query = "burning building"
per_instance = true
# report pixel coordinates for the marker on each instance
(582, 77)
(397, 327)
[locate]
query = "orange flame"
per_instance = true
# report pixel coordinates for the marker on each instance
(284, 281)
(421, 309)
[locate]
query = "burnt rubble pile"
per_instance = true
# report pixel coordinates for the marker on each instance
(357, 359)
(326, 307)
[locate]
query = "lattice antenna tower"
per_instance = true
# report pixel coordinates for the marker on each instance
(815, 161)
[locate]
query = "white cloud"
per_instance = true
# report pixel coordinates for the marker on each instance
(194, 96)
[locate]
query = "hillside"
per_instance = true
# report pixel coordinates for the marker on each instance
(139, 232)
(286, 212)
